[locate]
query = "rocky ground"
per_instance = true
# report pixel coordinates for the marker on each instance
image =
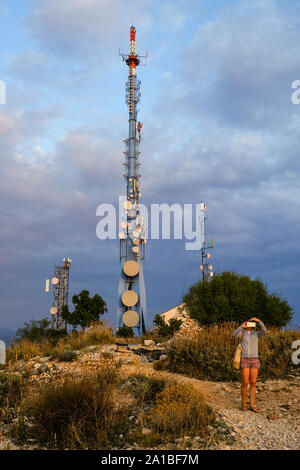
(276, 426)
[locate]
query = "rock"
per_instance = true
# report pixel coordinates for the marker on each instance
(163, 357)
(149, 342)
(43, 367)
(146, 431)
(44, 359)
(92, 348)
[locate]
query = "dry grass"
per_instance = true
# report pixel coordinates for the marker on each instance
(80, 413)
(180, 410)
(27, 349)
(209, 356)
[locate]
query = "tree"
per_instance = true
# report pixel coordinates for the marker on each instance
(87, 310)
(166, 329)
(39, 330)
(235, 297)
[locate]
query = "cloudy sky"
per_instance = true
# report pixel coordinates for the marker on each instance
(219, 126)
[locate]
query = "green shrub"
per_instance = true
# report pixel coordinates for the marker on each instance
(67, 354)
(145, 389)
(125, 332)
(230, 296)
(39, 330)
(163, 329)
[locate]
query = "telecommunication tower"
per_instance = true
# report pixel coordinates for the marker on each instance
(60, 296)
(133, 237)
(206, 266)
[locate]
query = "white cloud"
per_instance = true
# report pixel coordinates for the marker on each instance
(80, 27)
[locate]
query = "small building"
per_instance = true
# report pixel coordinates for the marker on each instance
(178, 313)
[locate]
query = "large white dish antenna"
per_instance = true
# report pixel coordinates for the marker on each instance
(131, 268)
(130, 318)
(130, 298)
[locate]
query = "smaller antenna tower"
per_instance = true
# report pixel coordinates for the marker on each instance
(206, 266)
(60, 285)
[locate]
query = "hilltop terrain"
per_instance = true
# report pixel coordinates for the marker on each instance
(275, 427)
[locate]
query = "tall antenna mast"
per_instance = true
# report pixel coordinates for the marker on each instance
(133, 237)
(206, 267)
(60, 296)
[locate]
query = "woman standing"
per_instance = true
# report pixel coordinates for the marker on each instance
(250, 363)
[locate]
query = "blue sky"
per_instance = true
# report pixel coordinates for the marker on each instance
(219, 126)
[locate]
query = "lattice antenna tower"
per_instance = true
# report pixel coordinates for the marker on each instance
(60, 293)
(206, 266)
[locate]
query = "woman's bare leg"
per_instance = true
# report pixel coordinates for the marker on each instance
(253, 379)
(245, 372)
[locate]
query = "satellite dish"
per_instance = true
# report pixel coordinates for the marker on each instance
(131, 268)
(53, 310)
(122, 235)
(127, 205)
(130, 318)
(130, 298)
(136, 241)
(55, 281)
(136, 234)
(135, 249)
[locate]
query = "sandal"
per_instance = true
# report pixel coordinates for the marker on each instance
(255, 410)
(244, 408)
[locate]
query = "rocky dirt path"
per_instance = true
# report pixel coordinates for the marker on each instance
(277, 426)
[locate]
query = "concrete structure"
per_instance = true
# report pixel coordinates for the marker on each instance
(178, 313)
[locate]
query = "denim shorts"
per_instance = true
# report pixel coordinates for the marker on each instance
(250, 363)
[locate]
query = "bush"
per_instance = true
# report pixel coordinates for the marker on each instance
(235, 297)
(180, 410)
(39, 330)
(82, 413)
(12, 388)
(163, 329)
(99, 335)
(125, 332)
(67, 354)
(210, 355)
(145, 389)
